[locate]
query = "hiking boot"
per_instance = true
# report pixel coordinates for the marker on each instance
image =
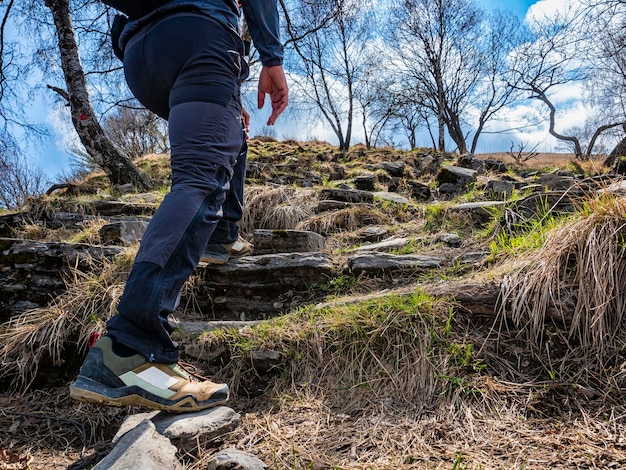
(109, 379)
(219, 253)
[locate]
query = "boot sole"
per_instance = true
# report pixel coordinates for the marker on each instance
(214, 260)
(210, 260)
(186, 405)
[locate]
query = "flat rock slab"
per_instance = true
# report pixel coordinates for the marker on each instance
(37, 271)
(365, 182)
(187, 428)
(233, 459)
(375, 262)
(450, 239)
(131, 422)
(124, 233)
(372, 233)
(391, 197)
(205, 425)
(385, 245)
(141, 448)
(74, 221)
(484, 205)
(285, 269)
(122, 208)
(346, 195)
(473, 257)
(392, 168)
(456, 175)
(480, 212)
(328, 205)
(255, 287)
(287, 241)
(502, 190)
(197, 327)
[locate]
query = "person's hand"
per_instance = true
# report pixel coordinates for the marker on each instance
(272, 81)
(245, 120)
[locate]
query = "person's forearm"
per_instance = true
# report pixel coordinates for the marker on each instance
(263, 23)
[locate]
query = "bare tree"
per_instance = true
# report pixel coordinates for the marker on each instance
(6, 54)
(408, 115)
(137, 131)
(117, 166)
(53, 37)
(19, 178)
(376, 104)
(329, 38)
(437, 40)
(605, 33)
(496, 88)
(559, 56)
(13, 78)
(454, 59)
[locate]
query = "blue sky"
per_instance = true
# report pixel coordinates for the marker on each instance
(519, 7)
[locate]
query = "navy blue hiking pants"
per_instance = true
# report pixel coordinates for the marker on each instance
(187, 68)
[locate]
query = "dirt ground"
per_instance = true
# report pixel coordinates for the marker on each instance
(506, 426)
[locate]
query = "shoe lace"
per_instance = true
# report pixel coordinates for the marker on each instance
(192, 370)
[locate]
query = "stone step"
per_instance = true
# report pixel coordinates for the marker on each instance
(249, 288)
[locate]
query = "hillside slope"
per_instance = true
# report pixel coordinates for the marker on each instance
(507, 352)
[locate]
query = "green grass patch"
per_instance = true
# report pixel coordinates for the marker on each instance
(406, 347)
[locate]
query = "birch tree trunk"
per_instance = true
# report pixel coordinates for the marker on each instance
(117, 166)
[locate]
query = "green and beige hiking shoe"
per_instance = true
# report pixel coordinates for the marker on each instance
(108, 379)
(219, 253)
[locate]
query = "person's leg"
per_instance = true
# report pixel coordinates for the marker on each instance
(205, 135)
(169, 251)
(205, 132)
(227, 230)
(225, 242)
(178, 232)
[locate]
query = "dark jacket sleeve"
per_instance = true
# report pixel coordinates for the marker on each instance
(263, 23)
(116, 30)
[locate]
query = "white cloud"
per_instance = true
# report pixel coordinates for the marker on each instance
(551, 9)
(63, 137)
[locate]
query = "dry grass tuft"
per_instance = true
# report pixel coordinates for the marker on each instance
(31, 231)
(54, 431)
(276, 208)
(46, 206)
(40, 336)
(348, 219)
(90, 233)
(578, 278)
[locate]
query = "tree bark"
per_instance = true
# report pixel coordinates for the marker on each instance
(597, 134)
(541, 95)
(117, 166)
(617, 152)
(455, 130)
